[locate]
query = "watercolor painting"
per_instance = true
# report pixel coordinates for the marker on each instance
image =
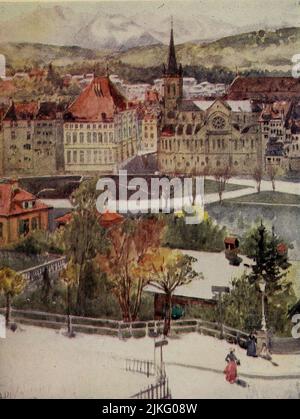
(149, 200)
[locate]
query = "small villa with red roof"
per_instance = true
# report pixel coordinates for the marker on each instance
(20, 213)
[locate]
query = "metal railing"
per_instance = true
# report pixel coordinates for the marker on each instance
(143, 367)
(160, 390)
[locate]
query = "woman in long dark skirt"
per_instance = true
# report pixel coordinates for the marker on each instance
(251, 345)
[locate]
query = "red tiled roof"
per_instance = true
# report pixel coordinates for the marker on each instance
(109, 219)
(12, 197)
(152, 96)
(247, 87)
(231, 240)
(65, 219)
(26, 110)
(98, 102)
(275, 110)
(106, 219)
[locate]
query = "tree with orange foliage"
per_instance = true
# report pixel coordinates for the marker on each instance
(128, 245)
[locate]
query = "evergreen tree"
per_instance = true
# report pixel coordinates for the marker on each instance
(271, 259)
(270, 256)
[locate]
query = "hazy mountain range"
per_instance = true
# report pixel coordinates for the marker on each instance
(258, 50)
(243, 34)
(122, 26)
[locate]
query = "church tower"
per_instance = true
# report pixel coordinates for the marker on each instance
(173, 82)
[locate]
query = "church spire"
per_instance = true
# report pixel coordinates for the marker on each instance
(172, 63)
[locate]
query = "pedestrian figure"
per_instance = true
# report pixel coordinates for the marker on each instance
(231, 368)
(264, 353)
(251, 345)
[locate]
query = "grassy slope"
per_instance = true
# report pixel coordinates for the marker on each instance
(211, 186)
(268, 197)
(270, 51)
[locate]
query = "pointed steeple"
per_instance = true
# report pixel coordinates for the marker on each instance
(172, 63)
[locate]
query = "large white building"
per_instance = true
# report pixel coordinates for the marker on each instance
(100, 129)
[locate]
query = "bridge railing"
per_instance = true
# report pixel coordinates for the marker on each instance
(37, 272)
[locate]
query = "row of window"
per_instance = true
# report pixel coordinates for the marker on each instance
(150, 127)
(45, 133)
(169, 144)
(89, 138)
(44, 124)
(89, 156)
(217, 163)
(13, 135)
(88, 126)
(147, 136)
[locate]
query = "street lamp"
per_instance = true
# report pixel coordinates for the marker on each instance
(262, 287)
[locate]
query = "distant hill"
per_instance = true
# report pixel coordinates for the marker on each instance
(253, 51)
(20, 55)
(257, 50)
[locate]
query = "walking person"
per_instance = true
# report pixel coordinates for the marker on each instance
(251, 345)
(265, 353)
(231, 368)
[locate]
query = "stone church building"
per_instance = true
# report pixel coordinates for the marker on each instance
(205, 136)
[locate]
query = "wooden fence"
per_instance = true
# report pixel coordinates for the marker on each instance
(123, 330)
(141, 329)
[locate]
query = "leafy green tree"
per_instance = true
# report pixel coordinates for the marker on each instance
(84, 238)
(242, 306)
(270, 256)
(206, 236)
(243, 309)
(39, 242)
(11, 285)
(69, 275)
(167, 270)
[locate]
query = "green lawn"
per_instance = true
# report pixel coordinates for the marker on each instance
(268, 197)
(211, 186)
(294, 275)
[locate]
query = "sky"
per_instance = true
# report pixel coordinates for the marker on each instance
(241, 13)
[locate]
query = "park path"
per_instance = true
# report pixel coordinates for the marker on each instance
(250, 187)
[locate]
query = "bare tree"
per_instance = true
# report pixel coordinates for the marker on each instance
(257, 176)
(222, 176)
(273, 173)
(11, 285)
